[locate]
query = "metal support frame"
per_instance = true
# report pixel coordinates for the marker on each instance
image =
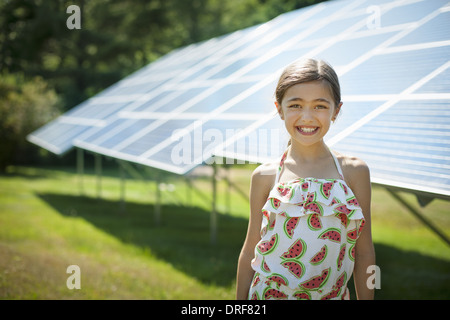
(80, 170)
(158, 199)
(122, 186)
(98, 172)
(213, 221)
(419, 216)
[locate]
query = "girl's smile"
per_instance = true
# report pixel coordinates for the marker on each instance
(307, 131)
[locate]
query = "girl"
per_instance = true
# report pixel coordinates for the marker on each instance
(309, 226)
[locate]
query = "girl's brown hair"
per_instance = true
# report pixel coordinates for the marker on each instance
(308, 70)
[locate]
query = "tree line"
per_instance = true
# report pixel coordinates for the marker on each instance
(47, 68)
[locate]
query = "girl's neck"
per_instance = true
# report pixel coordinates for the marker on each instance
(308, 154)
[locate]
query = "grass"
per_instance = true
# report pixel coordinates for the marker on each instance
(46, 225)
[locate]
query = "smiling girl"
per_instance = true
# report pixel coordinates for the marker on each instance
(309, 228)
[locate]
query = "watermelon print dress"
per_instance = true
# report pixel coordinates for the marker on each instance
(308, 236)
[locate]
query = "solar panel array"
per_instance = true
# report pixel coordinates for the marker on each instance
(216, 97)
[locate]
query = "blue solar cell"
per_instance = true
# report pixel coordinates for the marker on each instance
(200, 73)
(57, 136)
(230, 69)
(152, 138)
(409, 12)
(350, 113)
(339, 53)
(276, 63)
(168, 101)
(439, 84)
(259, 102)
(96, 133)
(393, 73)
(219, 97)
(117, 134)
(436, 29)
(335, 27)
(150, 104)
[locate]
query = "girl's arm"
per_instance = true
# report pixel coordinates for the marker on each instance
(261, 183)
(359, 182)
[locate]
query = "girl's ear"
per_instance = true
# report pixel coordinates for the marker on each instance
(280, 111)
(336, 111)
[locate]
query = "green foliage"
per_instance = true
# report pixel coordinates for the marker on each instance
(25, 105)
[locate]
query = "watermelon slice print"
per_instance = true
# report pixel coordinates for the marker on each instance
(337, 287)
(266, 247)
(254, 296)
(264, 266)
(305, 186)
(286, 192)
(352, 252)
(296, 250)
(278, 279)
(314, 222)
(353, 201)
(341, 256)
(352, 235)
(344, 218)
(314, 207)
(332, 234)
(310, 198)
(342, 208)
(316, 282)
(302, 295)
(275, 203)
(296, 268)
(334, 201)
(325, 189)
(290, 225)
(271, 293)
(344, 187)
(256, 279)
(319, 256)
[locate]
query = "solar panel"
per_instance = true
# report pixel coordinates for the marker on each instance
(216, 97)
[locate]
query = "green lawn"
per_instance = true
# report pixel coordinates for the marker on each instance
(46, 225)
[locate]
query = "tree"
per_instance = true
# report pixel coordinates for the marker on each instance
(25, 105)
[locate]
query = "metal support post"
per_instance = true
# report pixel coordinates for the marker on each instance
(80, 170)
(213, 205)
(98, 171)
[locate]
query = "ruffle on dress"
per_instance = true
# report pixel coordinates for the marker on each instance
(306, 196)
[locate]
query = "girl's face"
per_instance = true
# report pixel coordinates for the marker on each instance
(307, 110)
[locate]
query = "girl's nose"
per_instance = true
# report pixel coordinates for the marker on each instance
(307, 115)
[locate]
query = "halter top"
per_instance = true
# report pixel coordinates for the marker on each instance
(308, 235)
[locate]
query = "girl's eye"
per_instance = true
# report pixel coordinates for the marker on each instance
(321, 107)
(294, 106)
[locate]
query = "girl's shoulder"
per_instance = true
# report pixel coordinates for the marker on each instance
(264, 174)
(353, 168)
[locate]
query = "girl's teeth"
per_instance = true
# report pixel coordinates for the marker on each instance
(307, 130)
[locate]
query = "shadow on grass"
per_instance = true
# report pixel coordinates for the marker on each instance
(409, 275)
(183, 240)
